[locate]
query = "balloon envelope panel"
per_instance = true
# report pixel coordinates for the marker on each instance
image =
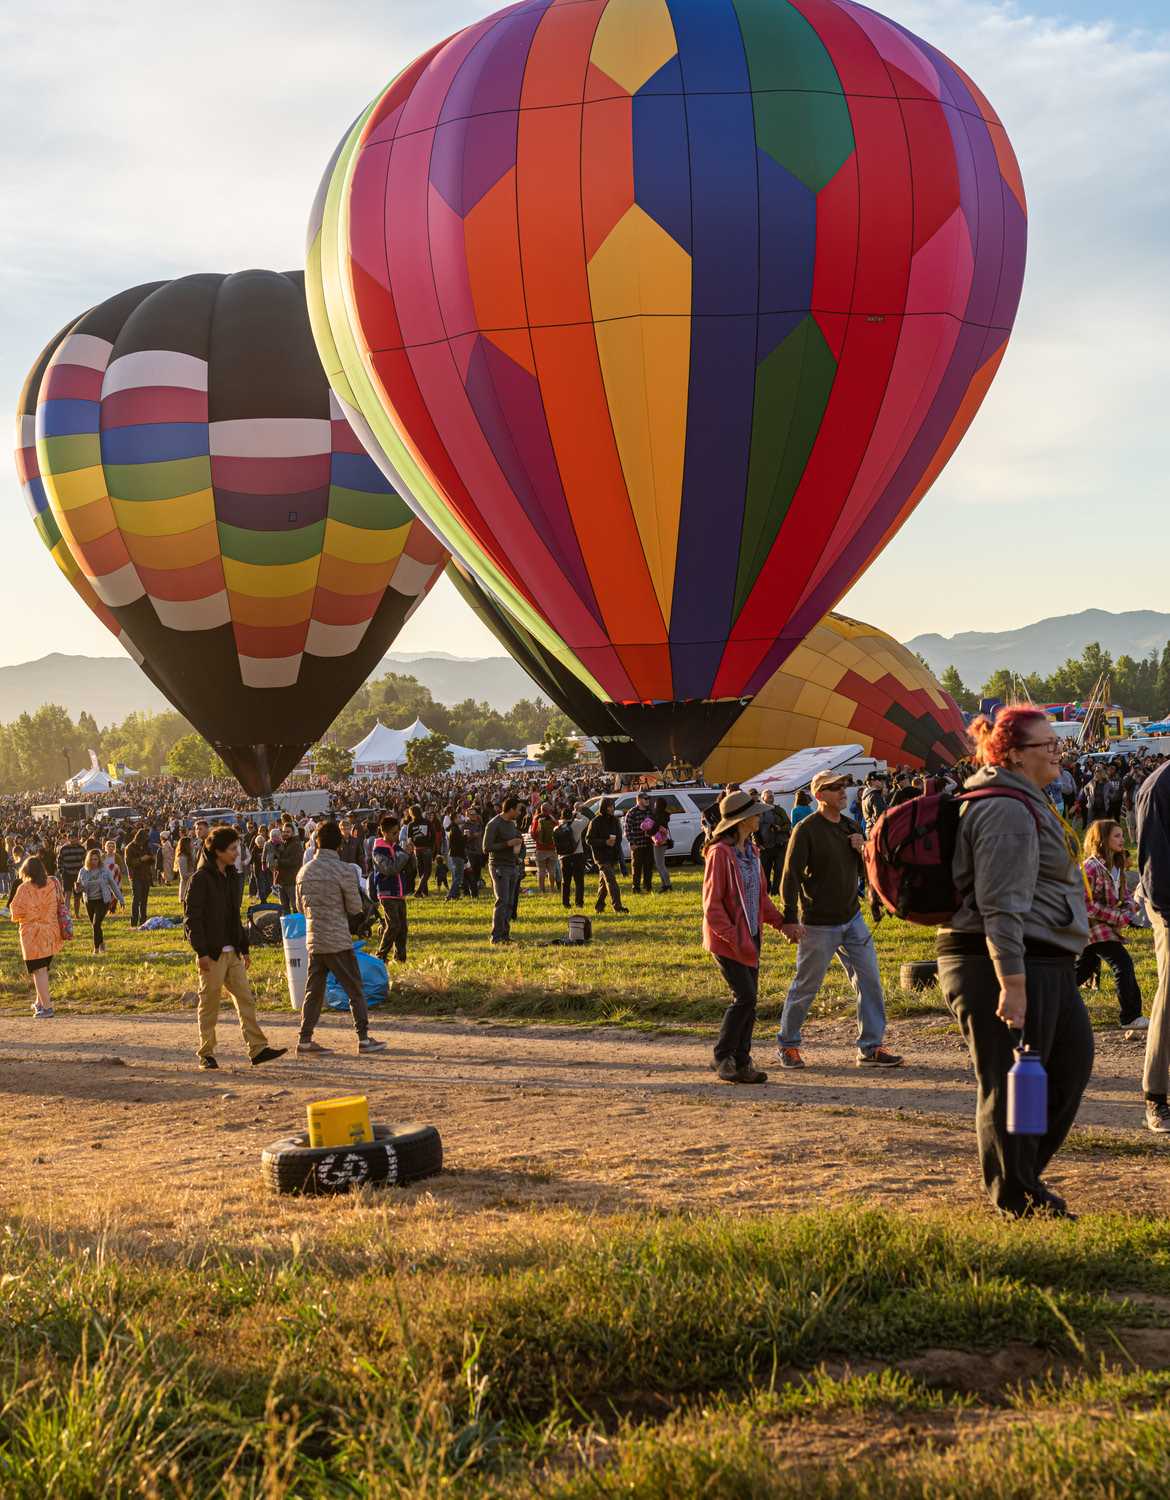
(201, 475)
(668, 314)
(846, 683)
(592, 716)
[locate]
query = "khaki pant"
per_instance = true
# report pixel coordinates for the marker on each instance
(1156, 1073)
(227, 972)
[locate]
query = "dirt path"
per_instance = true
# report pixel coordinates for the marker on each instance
(110, 1110)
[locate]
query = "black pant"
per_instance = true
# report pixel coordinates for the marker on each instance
(344, 967)
(573, 872)
(393, 930)
(96, 912)
(642, 856)
(771, 864)
(607, 882)
(1057, 1029)
(141, 895)
(424, 859)
(473, 875)
(1116, 955)
(739, 1019)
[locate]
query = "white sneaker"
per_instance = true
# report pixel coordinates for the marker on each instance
(369, 1044)
(1142, 1023)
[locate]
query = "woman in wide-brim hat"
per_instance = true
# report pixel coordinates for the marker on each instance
(735, 907)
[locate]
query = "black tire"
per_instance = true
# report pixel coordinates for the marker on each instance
(697, 851)
(398, 1155)
(919, 976)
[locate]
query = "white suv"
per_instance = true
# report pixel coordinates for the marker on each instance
(686, 805)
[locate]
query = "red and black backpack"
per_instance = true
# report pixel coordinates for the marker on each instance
(911, 850)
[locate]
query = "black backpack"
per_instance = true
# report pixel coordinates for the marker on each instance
(564, 840)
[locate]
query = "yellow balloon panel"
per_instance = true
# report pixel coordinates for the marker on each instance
(846, 683)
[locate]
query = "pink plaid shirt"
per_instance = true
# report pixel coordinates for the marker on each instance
(1111, 909)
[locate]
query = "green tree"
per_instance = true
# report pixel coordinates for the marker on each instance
(1001, 684)
(192, 759)
(557, 751)
(429, 756)
(952, 683)
(333, 761)
(1162, 684)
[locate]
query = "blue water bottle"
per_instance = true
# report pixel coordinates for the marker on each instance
(1027, 1100)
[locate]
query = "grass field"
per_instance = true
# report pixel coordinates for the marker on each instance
(485, 1334)
(644, 969)
(367, 1355)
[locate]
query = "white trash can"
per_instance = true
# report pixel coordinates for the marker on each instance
(296, 957)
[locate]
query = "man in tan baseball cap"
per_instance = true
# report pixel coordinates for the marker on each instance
(822, 915)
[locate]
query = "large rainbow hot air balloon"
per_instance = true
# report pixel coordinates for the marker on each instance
(196, 481)
(666, 314)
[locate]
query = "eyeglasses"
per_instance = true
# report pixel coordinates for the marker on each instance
(1052, 744)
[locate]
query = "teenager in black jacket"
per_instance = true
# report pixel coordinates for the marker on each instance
(213, 927)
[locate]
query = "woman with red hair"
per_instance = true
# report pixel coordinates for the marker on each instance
(1007, 958)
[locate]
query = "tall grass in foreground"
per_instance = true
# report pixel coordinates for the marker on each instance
(663, 1359)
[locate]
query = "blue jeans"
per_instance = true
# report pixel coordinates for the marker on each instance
(457, 867)
(505, 883)
(853, 945)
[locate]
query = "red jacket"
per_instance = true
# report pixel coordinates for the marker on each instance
(726, 929)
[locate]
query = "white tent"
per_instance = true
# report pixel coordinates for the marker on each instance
(94, 780)
(384, 750)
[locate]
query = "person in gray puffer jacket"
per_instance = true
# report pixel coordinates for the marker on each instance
(328, 894)
(1007, 958)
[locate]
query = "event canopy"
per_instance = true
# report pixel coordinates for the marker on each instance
(93, 780)
(384, 750)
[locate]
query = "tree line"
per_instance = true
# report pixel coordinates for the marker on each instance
(44, 748)
(1140, 685)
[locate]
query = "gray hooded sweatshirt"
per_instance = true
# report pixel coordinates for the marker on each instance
(1018, 884)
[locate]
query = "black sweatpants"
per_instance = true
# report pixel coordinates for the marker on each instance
(344, 967)
(425, 859)
(739, 1019)
(642, 858)
(96, 911)
(1057, 1028)
(572, 873)
(1116, 955)
(393, 930)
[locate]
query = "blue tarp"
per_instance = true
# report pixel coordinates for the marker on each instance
(375, 982)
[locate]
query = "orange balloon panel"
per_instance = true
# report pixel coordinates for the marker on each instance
(845, 684)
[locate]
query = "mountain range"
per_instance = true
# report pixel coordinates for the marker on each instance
(111, 687)
(1046, 645)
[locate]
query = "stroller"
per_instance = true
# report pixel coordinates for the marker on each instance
(264, 925)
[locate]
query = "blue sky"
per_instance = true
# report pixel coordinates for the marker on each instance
(148, 139)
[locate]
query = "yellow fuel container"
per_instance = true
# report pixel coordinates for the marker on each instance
(340, 1122)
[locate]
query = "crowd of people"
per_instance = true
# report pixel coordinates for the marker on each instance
(1039, 919)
